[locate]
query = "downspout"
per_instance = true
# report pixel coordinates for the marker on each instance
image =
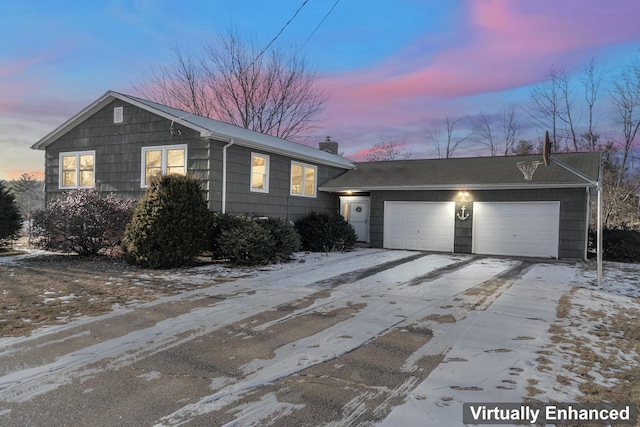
(599, 238)
(224, 176)
(588, 218)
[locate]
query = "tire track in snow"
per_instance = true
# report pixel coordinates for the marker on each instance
(411, 304)
(267, 291)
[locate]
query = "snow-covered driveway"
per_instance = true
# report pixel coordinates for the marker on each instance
(371, 336)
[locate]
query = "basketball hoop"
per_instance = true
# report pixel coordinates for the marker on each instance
(546, 148)
(528, 168)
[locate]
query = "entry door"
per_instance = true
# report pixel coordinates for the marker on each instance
(355, 210)
(359, 219)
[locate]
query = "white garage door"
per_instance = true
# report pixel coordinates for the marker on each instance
(427, 226)
(516, 228)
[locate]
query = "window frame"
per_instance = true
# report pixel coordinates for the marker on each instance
(163, 160)
(61, 170)
(266, 173)
(304, 166)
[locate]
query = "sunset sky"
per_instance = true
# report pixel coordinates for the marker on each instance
(392, 69)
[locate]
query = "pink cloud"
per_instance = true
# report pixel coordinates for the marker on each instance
(17, 173)
(14, 84)
(506, 44)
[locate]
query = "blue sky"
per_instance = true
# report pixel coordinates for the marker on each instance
(391, 68)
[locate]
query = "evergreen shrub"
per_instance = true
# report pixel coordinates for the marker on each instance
(618, 244)
(320, 231)
(248, 240)
(170, 225)
(10, 221)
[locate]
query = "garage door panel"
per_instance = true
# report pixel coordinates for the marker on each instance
(419, 225)
(516, 228)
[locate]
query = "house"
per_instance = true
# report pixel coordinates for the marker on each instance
(480, 205)
(462, 205)
(119, 142)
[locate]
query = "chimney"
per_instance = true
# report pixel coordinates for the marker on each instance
(329, 146)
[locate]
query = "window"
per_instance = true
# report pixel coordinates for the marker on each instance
(118, 115)
(157, 161)
(77, 170)
(259, 173)
(303, 179)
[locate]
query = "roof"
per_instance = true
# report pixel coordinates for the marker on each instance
(208, 128)
(467, 173)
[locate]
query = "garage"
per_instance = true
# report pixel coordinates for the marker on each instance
(426, 226)
(516, 228)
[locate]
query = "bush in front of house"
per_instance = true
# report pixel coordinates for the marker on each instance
(169, 225)
(82, 221)
(320, 231)
(10, 221)
(618, 244)
(248, 240)
(284, 237)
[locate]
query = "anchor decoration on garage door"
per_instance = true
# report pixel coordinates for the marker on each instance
(462, 215)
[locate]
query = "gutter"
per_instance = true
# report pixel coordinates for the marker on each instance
(224, 176)
(456, 187)
(339, 162)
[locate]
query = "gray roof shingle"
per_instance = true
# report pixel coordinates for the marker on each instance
(466, 173)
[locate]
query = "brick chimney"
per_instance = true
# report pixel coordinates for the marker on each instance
(329, 146)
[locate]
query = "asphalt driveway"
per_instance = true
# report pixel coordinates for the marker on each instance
(367, 337)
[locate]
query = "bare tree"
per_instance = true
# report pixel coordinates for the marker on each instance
(484, 129)
(626, 98)
(499, 134)
(549, 105)
(510, 127)
(447, 148)
(388, 149)
(565, 114)
(235, 82)
(620, 195)
(592, 78)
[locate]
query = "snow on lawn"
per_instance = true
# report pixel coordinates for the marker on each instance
(246, 298)
(495, 355)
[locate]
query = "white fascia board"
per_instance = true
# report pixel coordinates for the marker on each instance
(457, 187)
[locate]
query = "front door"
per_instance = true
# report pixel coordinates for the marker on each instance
(355, 209)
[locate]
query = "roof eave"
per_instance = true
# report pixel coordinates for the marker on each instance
(345, 164)
(456, 187)
(101, 102)
(73, 121)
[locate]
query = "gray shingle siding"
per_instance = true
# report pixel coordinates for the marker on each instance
(278, 202)
(118, 148)
(573, 218)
